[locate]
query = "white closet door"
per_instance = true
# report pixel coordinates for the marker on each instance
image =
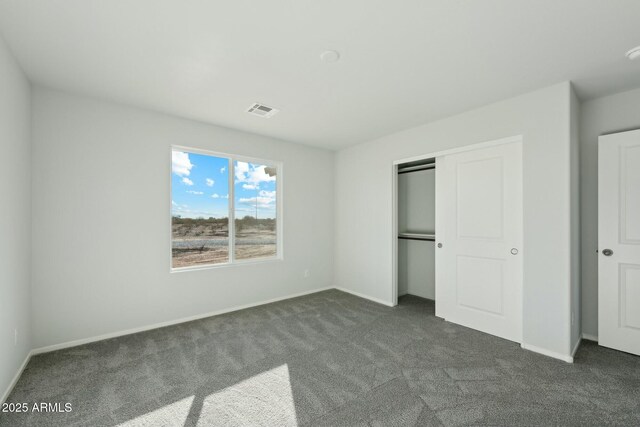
(479, 225)
(619, 241)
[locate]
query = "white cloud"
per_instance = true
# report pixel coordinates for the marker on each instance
(210, 182)
(265, 199)
(252, 174)
(194, 192)
(182, 208)
(222, 169)
(226, 196)
(180, 163)
(242, 168)
(186, 213)
(252, 200)
(248, 210)
(215, 195)
(250, 186)
(187, 181)
(174, 203)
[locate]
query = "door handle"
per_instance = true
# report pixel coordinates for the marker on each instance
(607, 252)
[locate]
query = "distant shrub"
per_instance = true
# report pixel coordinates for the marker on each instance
(177, 220)
(198, 226)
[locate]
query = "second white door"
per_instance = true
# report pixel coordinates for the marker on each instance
(479, 239)
(619, 241)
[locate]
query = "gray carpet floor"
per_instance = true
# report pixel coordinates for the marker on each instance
(326, 359)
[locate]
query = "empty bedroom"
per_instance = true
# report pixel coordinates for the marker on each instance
(319, 213)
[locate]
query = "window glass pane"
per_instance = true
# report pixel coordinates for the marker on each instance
(255, 210)
(199, 209)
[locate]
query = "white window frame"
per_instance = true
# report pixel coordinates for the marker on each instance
(232, 214)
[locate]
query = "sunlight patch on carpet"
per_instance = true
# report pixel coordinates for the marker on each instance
(264, 399)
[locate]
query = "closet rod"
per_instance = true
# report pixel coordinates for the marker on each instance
(417, 168)
(417, 236)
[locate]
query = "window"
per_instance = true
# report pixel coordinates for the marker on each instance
(255, 210)
(211, 192)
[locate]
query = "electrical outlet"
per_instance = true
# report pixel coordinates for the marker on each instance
(307, 273)
(15, 337)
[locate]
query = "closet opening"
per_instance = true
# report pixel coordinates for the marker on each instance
(416, 224)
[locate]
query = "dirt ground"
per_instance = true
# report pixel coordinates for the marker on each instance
(203, 244)
(191, 258)
(221, 255)
(255, 251)
(186, 231)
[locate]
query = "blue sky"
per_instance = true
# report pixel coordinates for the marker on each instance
(199, 185)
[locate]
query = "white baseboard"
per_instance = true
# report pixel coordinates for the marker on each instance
(13, 382)
(358, 294)
(545, 352)
(82, 341)
(590, 337)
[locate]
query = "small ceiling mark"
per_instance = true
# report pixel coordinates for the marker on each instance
(329, 56)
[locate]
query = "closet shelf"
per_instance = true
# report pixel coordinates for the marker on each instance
(417, 236)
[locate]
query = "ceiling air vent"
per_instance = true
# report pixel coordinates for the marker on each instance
(262, 110)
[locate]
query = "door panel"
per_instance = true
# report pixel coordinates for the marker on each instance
(480, 283)
(478, 223)
(629, 296)
(630, 194)
(619, 231)
(480, 199)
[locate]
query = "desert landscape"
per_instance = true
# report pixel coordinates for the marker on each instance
(201, 241)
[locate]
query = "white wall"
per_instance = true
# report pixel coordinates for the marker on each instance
(417, 213)
(364, 203)
(15, 217)
(574, 138)
(101, 220)
(610, 114)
